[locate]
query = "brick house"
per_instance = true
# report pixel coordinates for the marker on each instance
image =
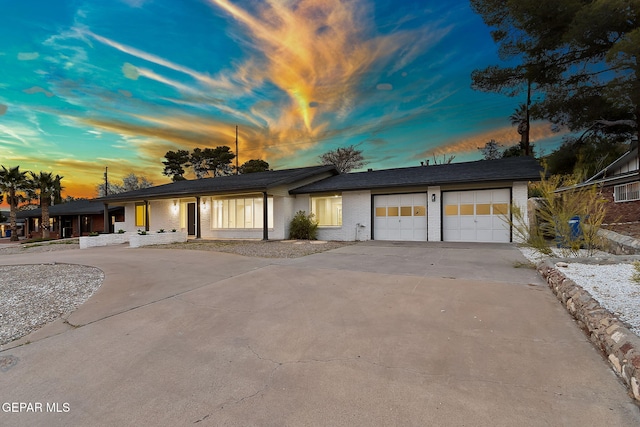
(620, 185)
(73, 219)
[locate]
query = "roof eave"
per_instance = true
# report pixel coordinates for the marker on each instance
(410, 185)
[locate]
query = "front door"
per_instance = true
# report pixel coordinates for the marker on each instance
(191, 219)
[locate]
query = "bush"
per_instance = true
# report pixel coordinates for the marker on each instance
(556, 211)
(303, 226)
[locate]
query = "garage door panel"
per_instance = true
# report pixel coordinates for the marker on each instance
(400, 217)
(476, 215)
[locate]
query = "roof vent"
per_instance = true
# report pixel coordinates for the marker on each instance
(369, 170)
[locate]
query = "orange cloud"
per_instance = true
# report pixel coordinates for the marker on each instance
(318, 52)
(507, 136)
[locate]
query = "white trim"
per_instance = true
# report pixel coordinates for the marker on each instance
(628, 192)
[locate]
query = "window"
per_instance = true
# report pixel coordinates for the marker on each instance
(141, 215)
(240, 212)
(626, 192)
(328, 210)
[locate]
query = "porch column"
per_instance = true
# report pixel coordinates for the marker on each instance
(146, 215)
(198, 230)
(79, 225)
(265, 216)
(107, 228)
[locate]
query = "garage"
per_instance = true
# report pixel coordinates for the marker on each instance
(476, 216)
(400, 217)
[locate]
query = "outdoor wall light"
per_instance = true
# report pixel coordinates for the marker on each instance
(433, 197)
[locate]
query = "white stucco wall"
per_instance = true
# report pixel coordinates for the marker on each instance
(129, 223)
(356, 216)
(519, 197)
(434, 217)
(163, 214)
(356, 209)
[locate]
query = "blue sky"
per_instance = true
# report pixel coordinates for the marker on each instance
(89, 84)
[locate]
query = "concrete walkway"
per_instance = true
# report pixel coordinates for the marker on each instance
(370, 334)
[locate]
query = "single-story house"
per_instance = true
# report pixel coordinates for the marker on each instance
(620, 185)
(72, 219)
(463, 202)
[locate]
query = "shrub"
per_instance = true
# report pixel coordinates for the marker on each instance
(121, 231)
(161, 230)
(94, 234)
(303, 226)
(556, 213)
(142, 232)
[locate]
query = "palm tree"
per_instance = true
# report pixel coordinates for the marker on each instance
(48, 188)
(521, 118)
(13, 182)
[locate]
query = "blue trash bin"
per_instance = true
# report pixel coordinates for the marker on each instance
(574, 226)
(574, 230)
(7, 233)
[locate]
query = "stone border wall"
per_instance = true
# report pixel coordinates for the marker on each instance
(619, 244)
(618, 344)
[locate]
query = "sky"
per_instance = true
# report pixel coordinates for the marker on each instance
(94, 84)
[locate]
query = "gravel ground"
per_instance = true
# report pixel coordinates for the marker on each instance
(49, 246)
(33, 295)
(609, 284)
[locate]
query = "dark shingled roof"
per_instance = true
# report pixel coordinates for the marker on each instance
(509, 169)
(76, 207)
(252, 182)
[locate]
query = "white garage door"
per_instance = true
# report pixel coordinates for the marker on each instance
(400, 217)
(476, 216)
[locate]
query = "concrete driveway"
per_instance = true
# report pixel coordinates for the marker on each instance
(370, 334)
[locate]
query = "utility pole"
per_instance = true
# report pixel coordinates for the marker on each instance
(237, 170)
(106, 181)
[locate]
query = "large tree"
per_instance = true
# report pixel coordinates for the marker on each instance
(253, 165)
(174, 164)
(47, 188)
(214, 161)
(581, 56)
(14, 183)
(219, 160)
(345, 159)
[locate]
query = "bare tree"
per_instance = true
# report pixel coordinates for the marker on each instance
(129, 183)
(444, 161)
(345, 159)
(491, 150)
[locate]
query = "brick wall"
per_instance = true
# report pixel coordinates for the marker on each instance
(621, 211)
